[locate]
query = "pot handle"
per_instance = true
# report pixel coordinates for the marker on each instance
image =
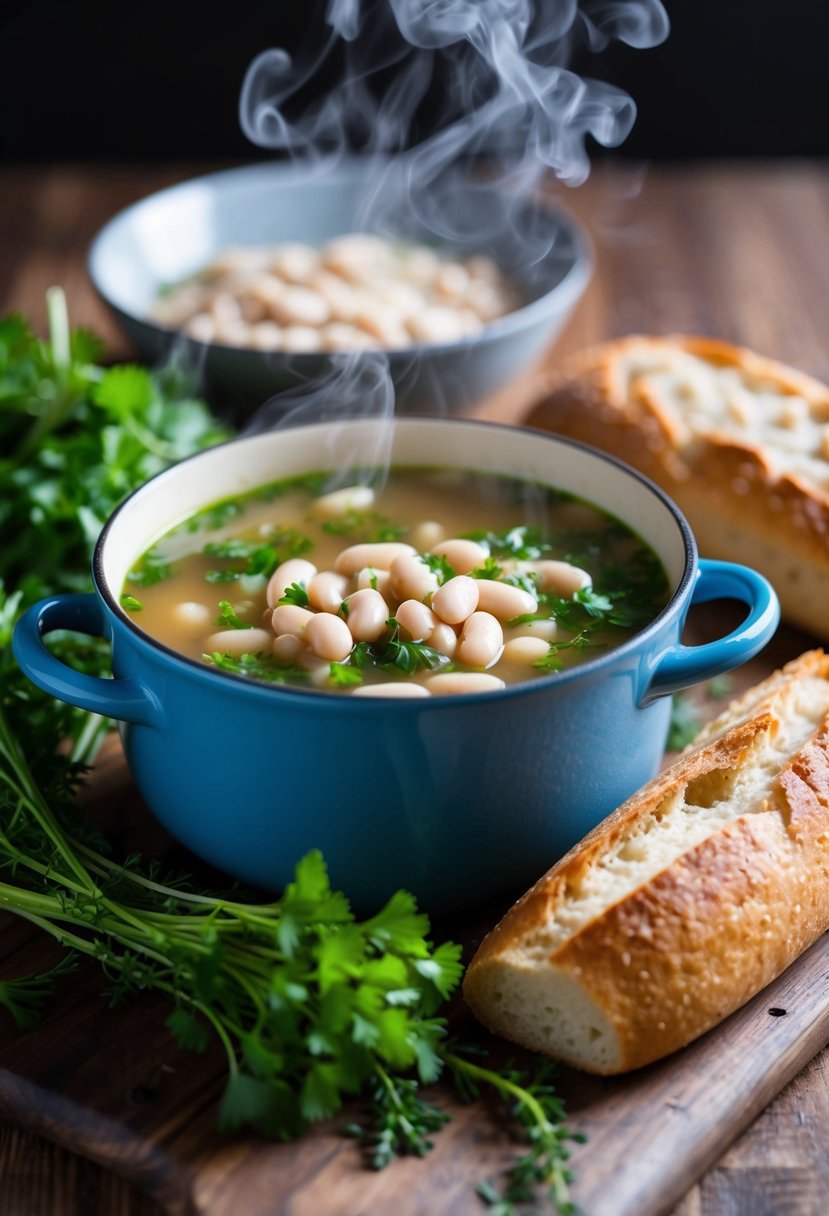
(125, 699)
(680, 666)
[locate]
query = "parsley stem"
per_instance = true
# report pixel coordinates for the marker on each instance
(522, 1095)
(59, 336)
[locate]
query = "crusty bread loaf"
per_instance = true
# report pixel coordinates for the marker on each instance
(741, 443)
(685, 902)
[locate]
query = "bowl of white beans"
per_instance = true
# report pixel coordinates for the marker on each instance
(441, 666)
(259, 275)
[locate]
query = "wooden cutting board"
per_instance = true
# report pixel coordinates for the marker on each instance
(111, 1084)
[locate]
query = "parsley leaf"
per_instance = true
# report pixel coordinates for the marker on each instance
(295, 594)
(228, 618)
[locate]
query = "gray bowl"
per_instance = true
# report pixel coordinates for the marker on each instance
(172, 234)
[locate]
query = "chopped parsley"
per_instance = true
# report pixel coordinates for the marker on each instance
(295, 594)
(258, 557)
(151, 569)
(228, 618)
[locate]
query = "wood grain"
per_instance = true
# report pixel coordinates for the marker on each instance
(735, 252)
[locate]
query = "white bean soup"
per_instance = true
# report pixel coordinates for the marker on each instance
(425, 582)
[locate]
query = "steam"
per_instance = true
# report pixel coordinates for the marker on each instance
(507, 93)
(354, 386)
(489, 80)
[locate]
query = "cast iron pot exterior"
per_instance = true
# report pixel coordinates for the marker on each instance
(456, 799)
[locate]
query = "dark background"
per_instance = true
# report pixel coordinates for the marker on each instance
(160, 81)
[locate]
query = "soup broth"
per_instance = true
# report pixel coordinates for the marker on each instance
(423, 582)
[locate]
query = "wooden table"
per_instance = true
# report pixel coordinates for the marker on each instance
(737, 252)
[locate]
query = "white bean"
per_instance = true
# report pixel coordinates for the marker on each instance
(320, 669)
(367, 613)
(253, 311)
(524, 651)
(398, 689)
(251, 584)
(294, 570)
(300, 338)
(342, 502)
(224, 309)
(485, 300)
(232, 333)
(547, 630)
(479, 266)
(293, 261)
(427, 534)
(327, 591)
(235, 259)
(419, 265)
(462, 681)
(403, 297)
(299, 306)
(462, 555)
(266, 335)
(382, 323)
(435, 325)
(356, 255)
(340, 296)
(195, 616)
(290, 618)
(417, 621)
(562, 578)
(287, 648)
(339, 335)
(503, 600)
(481, 640)
(239, 641)
(375, 580)
(411, 578)
(456, 599)
(379, 555)
(201, 327)
(328, 637)
(451, 281)
(444, 639)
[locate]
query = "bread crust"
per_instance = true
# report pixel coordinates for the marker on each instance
(688, 946)
(742, 501)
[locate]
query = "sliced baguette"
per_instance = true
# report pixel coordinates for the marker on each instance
(740, 442)
(685, 902)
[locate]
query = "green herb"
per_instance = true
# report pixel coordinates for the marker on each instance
(343, 675)
(257, 667)
(720, 686)
(258, 557)
(438, 564)
(295, 594)
(551, 661)
(524, 543)
(131, 603)
(228, 618)
(151, 569)
(488, 569)
(539, 1114)
(367, 527)
(524, 582)
(25, 997)
(685, 723)
(405, 657)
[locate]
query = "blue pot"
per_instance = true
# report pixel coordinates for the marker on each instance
(454, 798)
